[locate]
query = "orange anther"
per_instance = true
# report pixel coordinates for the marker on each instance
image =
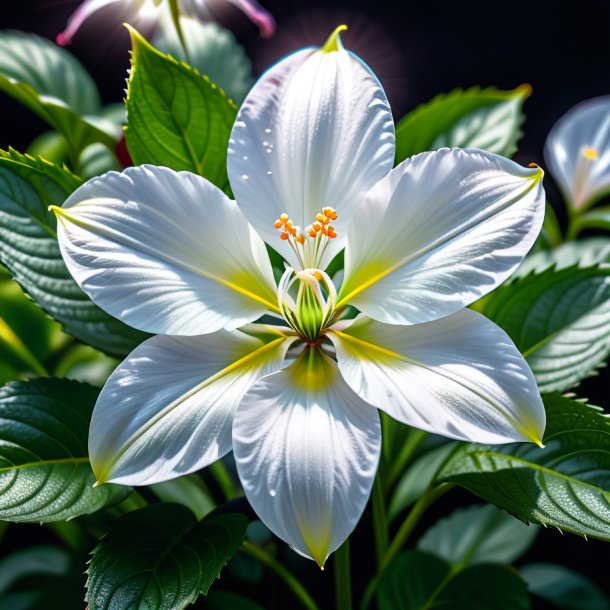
(300, 239)
(320, 217)
(284, 217)
(312, 232)
(331, 232)
(284, 236)
(316, 226)
(292, 230)
(278, 224)
(329, 213)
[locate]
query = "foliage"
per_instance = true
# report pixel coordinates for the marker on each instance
(176, 117)
(44, 468)
(163, 546)
(161, 558)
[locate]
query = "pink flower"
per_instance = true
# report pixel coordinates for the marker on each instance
(152, 9)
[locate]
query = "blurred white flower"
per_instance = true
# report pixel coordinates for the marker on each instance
(577, 152)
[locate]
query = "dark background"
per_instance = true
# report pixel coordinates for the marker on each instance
(418, 49)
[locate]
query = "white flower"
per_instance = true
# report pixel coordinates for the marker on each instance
(169, 253)
(577, 152)
(154, 10)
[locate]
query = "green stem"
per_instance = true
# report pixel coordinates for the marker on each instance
(414, 440)
(224, 479)
(450, 575)
(412, 519)
(175, 13)
(20, 349)
(405, 530)
(380, 523)
(552, 227)
(286, 575)
(133, 501)
(70, 533)
(343, 578)
(3, 527)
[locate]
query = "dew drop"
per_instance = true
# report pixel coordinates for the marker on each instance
(265, 143)
(245, 157)
(269, 173)
(269, 151)
(267, 130)
(245, 177)
(272, 492)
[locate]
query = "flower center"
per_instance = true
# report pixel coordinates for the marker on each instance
(589, 153)
(307, 300)
(309, 246)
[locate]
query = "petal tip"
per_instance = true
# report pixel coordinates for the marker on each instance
(333, 43)
(539, 174)
(62, 40)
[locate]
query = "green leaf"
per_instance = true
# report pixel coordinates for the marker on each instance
(29, 249)
(559, 320)
(53, 84)
(418, 477)
(586, 252)
(188, 490)
(41, 577)
(478, 534)
(161, 558)
(51, 146)
(598, 218)
(421, 581)
(96, 160)
(32, 561)
(213, 51)
(176, 117)
(224, 600)
(27, 335)
(481, 118)
(565, 485)
(44, 469)
(565, 589)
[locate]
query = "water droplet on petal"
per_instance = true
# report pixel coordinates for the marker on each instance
(265, 143)
(245, 157)
(272, 492)
(267, 130)
(245, 177)
(269, 173)
(269, 151)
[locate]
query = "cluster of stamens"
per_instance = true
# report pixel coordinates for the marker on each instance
(322, 225)
(309, 245)
(289, 230)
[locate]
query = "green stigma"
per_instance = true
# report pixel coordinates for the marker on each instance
(334, 41)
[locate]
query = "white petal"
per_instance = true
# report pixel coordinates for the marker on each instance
(461, 377)
(167, 410)
(577, 152)
(316, 130)
(165, 252)
(441, 230)
(307, 450)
